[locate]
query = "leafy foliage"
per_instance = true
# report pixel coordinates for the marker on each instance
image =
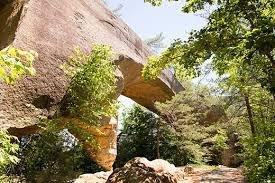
(14, 63)
(156, 2)
(197, 117)
(138, 138)
(239, 38)
(259, 155)
(259, 150)
(239, 41)
(220, 140)
(52, 156)
(187, 122)
(91, 94)
(8, 152)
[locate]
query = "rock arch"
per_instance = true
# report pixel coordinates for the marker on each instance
(53, 28)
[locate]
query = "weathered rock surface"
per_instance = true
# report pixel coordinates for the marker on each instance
(231, 156)
(212, 114)
(53, 29)
(204, 174)
(138, 167)
(99, 177)
(106, 138)
(140, 170)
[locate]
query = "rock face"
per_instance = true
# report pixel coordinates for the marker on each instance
(231, 156)
(106, 138)
(53, 29)
(140, 170)
(213, 114)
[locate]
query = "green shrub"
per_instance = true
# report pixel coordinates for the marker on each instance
(195, 115)
(187, 133)
(8, 152)
(138, 138)
(259, 155)
(220, 140)
(92, 90)
(14, 63)
(52, 156)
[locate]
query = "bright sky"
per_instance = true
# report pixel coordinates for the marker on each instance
(148, 21)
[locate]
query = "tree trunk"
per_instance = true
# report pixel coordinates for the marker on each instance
(250, 115)
(272, 74)
(158, 138)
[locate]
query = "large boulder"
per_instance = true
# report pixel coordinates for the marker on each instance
(137, 170)
(230, 156)
(53, 29)
(213, 114)
(140, 170)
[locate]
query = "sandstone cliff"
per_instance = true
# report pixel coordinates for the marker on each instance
(53, 29)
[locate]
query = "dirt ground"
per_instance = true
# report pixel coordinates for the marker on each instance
(218, 175)
(198, 174)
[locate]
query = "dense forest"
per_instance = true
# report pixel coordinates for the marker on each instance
(229, 122)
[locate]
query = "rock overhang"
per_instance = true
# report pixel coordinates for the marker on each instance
(53, 29)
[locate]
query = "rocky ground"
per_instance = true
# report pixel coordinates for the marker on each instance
(203, 174)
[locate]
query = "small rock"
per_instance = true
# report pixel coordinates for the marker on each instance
(188, 169)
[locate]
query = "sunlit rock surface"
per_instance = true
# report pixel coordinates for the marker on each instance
(137, 170)
(53, 29)
(140, 170)
(99, 177)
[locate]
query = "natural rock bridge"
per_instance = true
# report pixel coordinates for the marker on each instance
(53, 29)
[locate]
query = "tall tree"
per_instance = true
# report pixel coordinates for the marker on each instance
(239, 41)
(143, 135)
(239, 37)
